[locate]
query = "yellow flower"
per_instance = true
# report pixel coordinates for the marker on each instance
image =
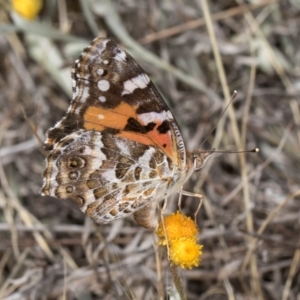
(177, 226)
(185, 253)
(27, 8)
(180, 235)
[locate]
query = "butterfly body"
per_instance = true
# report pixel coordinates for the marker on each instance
(118, 150)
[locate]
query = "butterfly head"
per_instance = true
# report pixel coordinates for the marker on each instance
(200, 157)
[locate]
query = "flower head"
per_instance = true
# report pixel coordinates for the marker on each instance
(177, 225)
(179, 233)
(27, 8)
(185, 253)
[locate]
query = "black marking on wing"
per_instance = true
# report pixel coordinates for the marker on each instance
(134, 125)
(164, 127)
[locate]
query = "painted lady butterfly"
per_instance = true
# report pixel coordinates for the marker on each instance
(118, 150)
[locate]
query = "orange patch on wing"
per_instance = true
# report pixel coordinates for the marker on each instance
(137, 137)
(163, 141)
(99, 118)
(91, 126)
(154, 139)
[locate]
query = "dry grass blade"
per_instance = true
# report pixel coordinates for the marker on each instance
(263, 226)
(295, 265)
(4, 291)
(166, 33)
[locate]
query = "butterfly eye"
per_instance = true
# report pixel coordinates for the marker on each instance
(198, 163)
(200, 158)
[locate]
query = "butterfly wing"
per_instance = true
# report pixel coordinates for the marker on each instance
(109, 177)
(118, 147)
(112, 93)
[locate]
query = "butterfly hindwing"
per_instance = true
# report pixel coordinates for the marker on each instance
(108, 176)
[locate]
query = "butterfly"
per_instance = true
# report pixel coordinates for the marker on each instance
(118, 150)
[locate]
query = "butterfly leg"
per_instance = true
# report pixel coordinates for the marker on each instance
(163, 209)
(181, 192)
(180, 198)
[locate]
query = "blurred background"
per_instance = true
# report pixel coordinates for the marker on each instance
(197, 54)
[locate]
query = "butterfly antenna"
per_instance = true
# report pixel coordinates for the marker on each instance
(254, 150)
(222, 114)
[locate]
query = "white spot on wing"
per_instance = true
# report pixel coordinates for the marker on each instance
(120, 56)
(100, 72)
(147, 118)
(103, 85)
(102, 98)
(75, 94)
(110, 175)
(105, 62)
(139, 82)
(58, 123)
(144, 160)
(77, 110)
(84, 93)
(170, 116)
(100, 117)
(124, 149)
